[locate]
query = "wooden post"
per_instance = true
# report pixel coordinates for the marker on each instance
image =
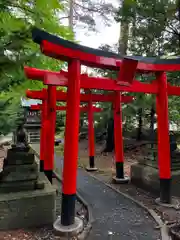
(118, 140)
(71, 144)
(164, 159)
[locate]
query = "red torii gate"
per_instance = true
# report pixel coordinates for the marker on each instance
(62, 96)
(44, 141)
(99, 83)
(76, 55)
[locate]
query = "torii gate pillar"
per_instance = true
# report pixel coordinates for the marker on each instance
(118, 141)
(164, 159)
(50, 132)
(71, 144)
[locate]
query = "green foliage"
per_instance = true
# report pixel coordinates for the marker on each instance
(83, 13)
(17, 17)
(154, 30)
(9, 111)
(154, 26)
(16, 46)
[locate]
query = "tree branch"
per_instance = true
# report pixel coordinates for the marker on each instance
(62, 18)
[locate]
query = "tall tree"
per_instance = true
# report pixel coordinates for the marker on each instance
(148, 33)
(83, 13)
(122, 49)
(153, 31)
(71, 14)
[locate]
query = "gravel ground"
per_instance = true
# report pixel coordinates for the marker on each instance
(107, 166)
(107, 219)
(44, 233)
(115, 213)
(170, 216)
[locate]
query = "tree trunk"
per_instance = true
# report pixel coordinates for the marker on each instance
(178, 6)
(71, 14)
(123, 46)
(81, 122)
(110, 136)
(152, 119)
(124, 32)
(123, 39)
(140, 123)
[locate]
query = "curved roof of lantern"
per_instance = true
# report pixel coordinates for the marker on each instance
(26, 102)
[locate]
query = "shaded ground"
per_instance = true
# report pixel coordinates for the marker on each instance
(115, 213)
(112, 212)
(106, 165)
(106, 162)
(43, 233)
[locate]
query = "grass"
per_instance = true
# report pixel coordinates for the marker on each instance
(59, 150)
(59, 135)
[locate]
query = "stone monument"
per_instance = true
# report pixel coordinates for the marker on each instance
(26, 197)
(20, 170)
(145, 173)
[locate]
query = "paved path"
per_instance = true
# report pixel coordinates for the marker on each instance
(112, 212)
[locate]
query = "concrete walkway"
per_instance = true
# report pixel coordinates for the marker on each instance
(115, 216)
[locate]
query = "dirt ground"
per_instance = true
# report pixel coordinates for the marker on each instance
(105, 162)
(106, 166)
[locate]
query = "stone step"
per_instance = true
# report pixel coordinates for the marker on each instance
(17, 149)
(8, 187)
(18, 158)
(28, 209)
(26, 172)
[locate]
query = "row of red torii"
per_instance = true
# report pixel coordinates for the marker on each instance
(126, 67)
(90, 109)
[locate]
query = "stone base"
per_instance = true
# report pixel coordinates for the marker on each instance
(9, 187)
(174, 203)
(19, 158)
(28, 208)
(147, 177)
(17, 149)
(90, 169)
(26, 172)
(120, 180)
(68, 231)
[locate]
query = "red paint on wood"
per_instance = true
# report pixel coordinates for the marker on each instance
(50, 134)
(92, 60)
(72, 129)
(127, 72)
(62, 96)
(118, 137)
(91, 137)
(64, 108)
(164, 160)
